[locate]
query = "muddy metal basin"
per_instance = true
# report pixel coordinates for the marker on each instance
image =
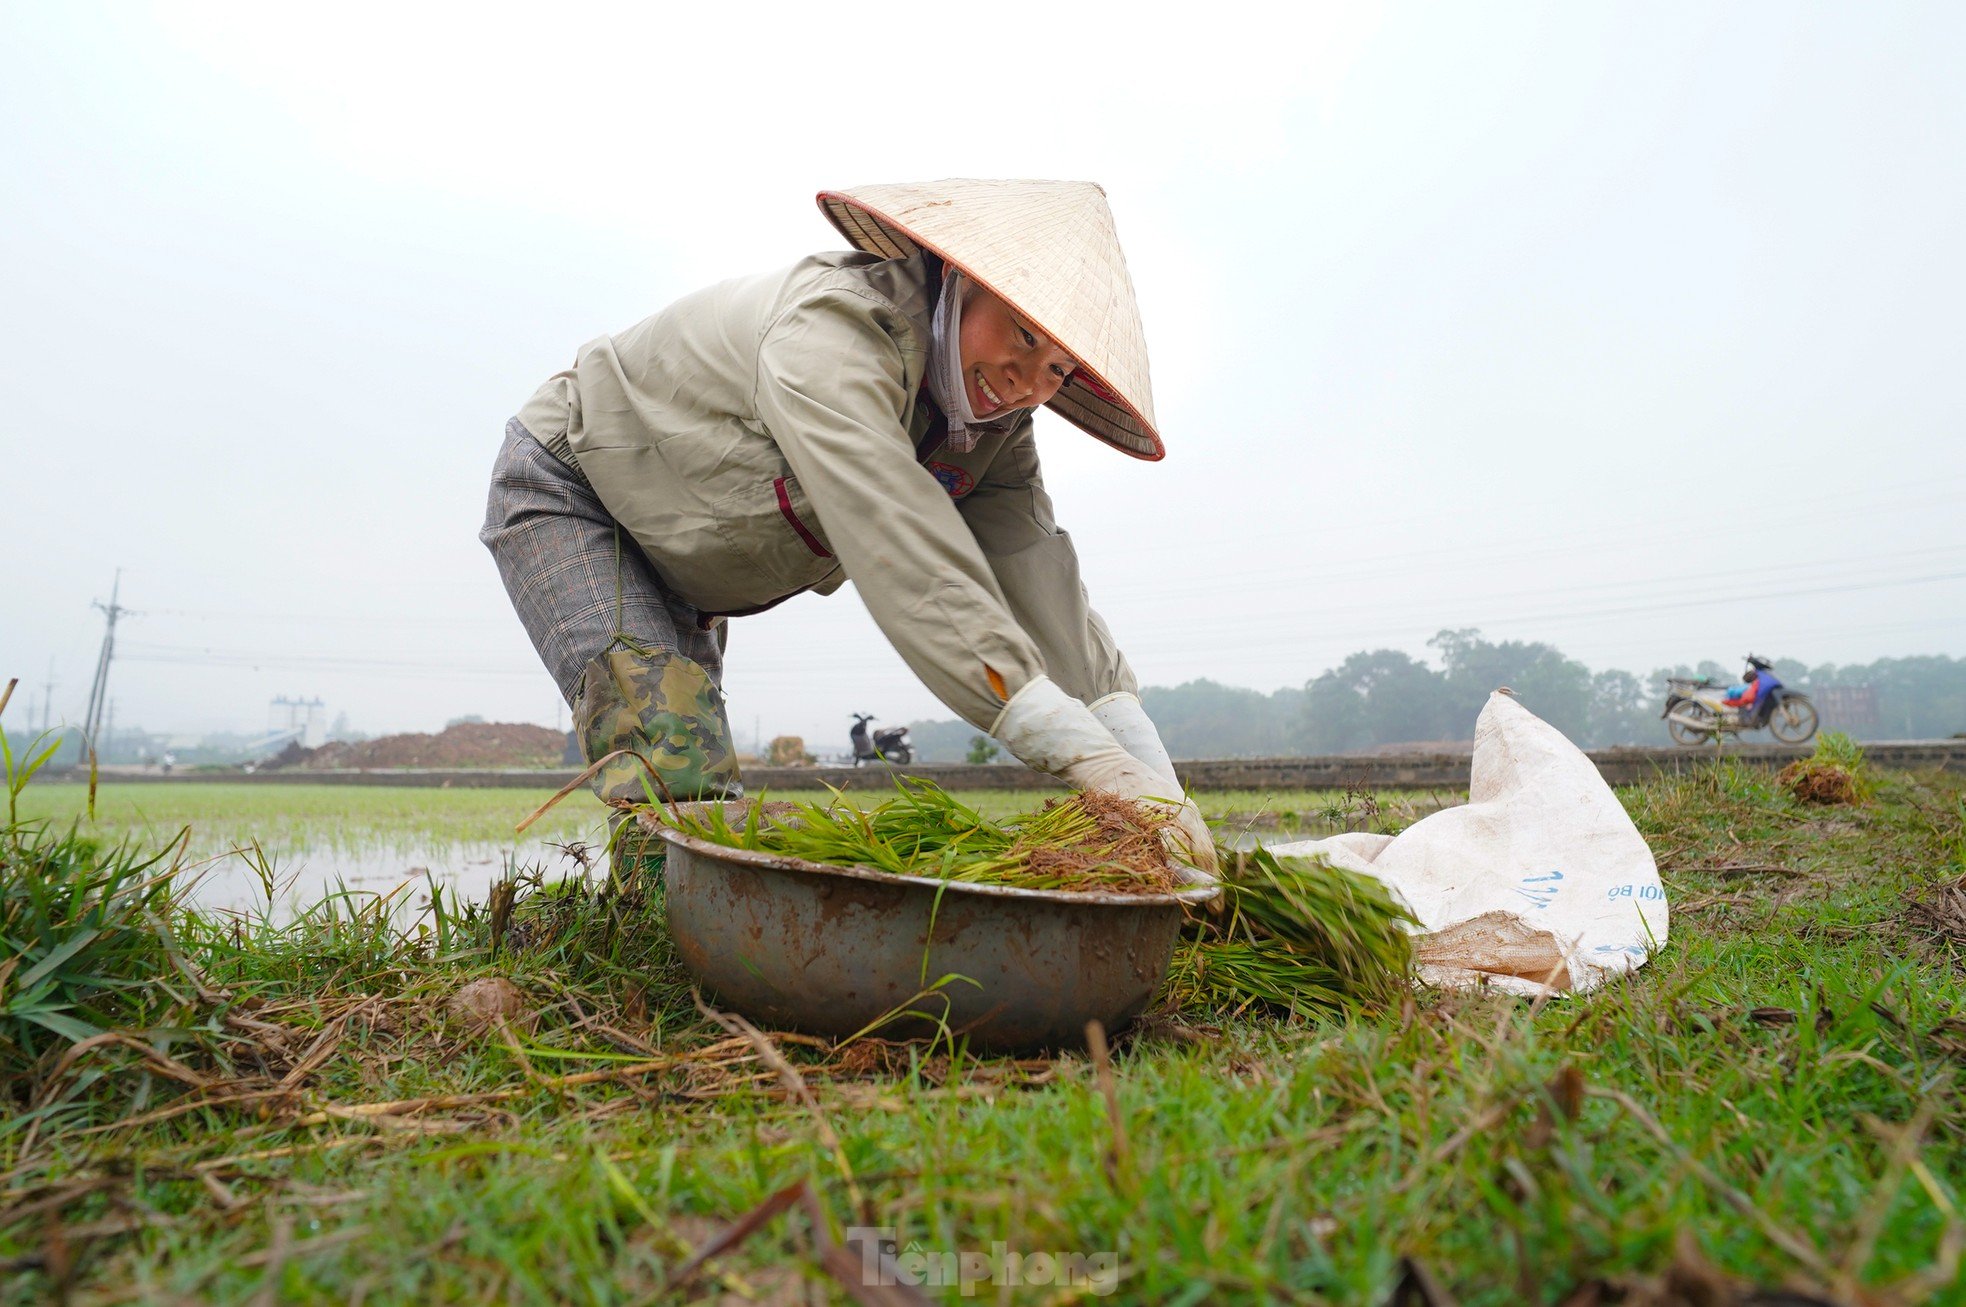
(835, 950)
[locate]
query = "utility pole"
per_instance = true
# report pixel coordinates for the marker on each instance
(99, 689)
(48, 698)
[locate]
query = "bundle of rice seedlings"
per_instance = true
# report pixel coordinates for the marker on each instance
(1836, 772)
(1082, 842)
(1296, 934)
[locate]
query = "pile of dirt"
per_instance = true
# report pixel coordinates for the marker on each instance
(292, 756)
(1811, 780)
(466, 744)
(484, 1003)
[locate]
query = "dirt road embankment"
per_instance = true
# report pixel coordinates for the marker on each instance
(1448, 771)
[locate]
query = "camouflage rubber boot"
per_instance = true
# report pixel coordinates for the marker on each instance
(666, 710)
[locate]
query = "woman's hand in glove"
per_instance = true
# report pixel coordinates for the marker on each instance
(1047, 729)
(1188, 837)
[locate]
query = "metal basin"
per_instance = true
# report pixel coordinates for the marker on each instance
(836, 950)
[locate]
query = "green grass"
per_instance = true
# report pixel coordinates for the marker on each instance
(1776, 1095)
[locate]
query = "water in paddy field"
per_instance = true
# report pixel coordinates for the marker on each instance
(465, 871)
(322, 853)
(308, 843)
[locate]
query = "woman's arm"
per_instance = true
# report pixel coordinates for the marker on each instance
(1038, 571)
(831, 391)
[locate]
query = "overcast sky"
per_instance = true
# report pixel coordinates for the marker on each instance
(1633, 328)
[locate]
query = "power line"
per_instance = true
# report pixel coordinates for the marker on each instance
(1721, 517)
(354, 619)
(757, 667)
(1311, 566)
(1559, 617)
(1735, 599)
(1738, 580)
(207, 657)
(1637, 595)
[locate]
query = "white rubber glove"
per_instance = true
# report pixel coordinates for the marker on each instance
(1127, 719)
(1046, 729)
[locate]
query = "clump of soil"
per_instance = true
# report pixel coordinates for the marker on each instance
(1811, 780)
(482, 1004)
(464, 744)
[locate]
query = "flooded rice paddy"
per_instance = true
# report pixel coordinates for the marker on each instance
(279, 849)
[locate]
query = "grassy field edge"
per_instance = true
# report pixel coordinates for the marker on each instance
(312, 1112)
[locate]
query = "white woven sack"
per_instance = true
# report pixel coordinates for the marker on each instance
(1540, 883)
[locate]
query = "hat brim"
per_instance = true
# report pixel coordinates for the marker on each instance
(1086, 400)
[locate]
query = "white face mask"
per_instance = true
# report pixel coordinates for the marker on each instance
(945, 370)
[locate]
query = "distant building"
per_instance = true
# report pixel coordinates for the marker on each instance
(1851, 709)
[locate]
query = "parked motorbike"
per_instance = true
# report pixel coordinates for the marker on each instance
(887, 745)
(1696, 710)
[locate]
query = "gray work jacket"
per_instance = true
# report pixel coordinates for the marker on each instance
(768, 436)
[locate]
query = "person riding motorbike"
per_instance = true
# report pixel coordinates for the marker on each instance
(1753, 695)
(860, 416)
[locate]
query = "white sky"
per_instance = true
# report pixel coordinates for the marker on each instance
(1634, 328)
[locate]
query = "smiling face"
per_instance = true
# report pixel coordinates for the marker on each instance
(1007, 362)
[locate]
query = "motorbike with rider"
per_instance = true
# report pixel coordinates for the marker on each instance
(1697, 710)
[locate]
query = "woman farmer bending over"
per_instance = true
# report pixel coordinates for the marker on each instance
(862, 416)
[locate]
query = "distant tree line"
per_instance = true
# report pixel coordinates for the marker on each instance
(1384, 697)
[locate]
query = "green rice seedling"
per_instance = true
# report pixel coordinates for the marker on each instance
(1296, 934)
(1839, 748)
(20, 770)
(1081, 842)
(1232, 976)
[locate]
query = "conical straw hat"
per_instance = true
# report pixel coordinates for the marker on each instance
(1049, 249)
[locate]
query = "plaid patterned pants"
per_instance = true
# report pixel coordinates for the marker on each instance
(577, 580)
